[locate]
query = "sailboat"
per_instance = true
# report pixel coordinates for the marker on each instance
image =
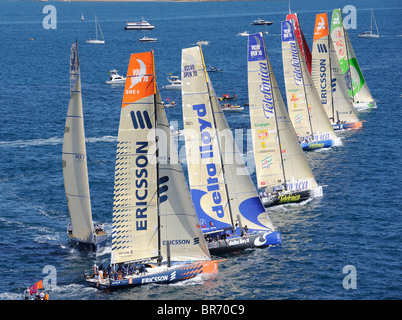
(229, 210)
(357, 86)
(155, 227)
(96, 40)
(81, 232)
(281, 166)
(307, 114)
(304, 49)
(370, 34)
(329, 80)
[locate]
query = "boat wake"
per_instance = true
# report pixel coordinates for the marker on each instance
(50, 141)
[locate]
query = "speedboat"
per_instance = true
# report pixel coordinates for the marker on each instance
(147, 39)
(228, 107)
(175, 83)
(115, 78)
(203, 42)
(261, 22)
(243, 34)
(213, 69)
(139, 25)
(227, 97)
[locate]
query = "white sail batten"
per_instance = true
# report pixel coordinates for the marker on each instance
(327, 76)
(278, 155)
(220, 184)
(358, 89)
(75, 172)
(305, 109)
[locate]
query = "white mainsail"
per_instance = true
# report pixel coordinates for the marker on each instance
(221, 187)
(279, 158)
(327, 76)
(305, 109)
(75, 172)
(151, 205)
(358, 89)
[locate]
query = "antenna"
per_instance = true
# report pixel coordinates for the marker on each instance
(289, 8)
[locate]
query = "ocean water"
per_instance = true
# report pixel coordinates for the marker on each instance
(357, 222)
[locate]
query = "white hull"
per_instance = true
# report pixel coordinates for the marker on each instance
(122, 81)
(96, 41)
(233, 109)
(172, 87)
(368, 35)
(364, 105)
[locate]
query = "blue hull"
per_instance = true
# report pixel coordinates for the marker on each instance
(172, 275)
(236, 243)
(317, 145)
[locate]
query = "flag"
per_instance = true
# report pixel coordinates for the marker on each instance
(35, 287)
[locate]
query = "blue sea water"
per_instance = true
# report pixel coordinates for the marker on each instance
(357, 222)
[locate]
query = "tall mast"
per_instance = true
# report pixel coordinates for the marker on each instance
(157, 164)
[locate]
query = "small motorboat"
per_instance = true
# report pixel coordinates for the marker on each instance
(115, 78)
(243, 34)
(203, 42)
(169, 104)
(227, 97)
(261, 22)
(213, 69)
(147, 39)
(175, 83)
(228, 107)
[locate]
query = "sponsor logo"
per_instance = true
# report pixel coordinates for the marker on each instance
(322, 48)
(262, 134)
(155, 279)
(323, 81)
(267, 162)
(298, 118)
(139, 74)
(321, 25)
(177, 242)
(297, 76)
(141, 119)
(289, 198)
(206, 151)
(189, 71)
(141, 184)
(256, 50)
(265, 88)
(287, 32)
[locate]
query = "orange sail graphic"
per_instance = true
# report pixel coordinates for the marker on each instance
(140, 80)
(321, 26)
